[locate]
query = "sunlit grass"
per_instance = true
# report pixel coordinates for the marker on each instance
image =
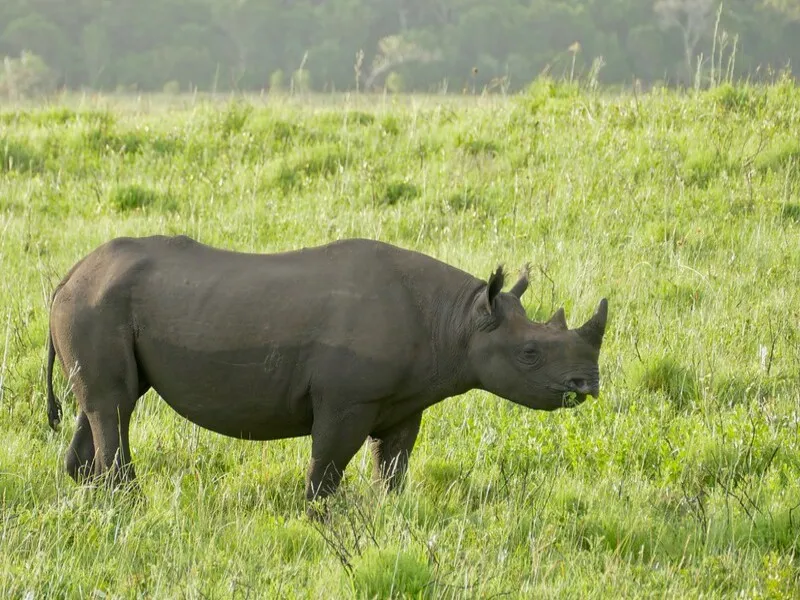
(682, 479)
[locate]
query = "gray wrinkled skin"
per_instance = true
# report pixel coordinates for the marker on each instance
(344, 342)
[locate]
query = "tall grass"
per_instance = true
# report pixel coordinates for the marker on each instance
(682, 480)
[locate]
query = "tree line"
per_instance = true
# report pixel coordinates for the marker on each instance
(402, 45)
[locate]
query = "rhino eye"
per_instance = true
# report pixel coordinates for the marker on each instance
(531, 353)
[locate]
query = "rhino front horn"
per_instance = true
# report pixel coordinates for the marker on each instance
(592, 331)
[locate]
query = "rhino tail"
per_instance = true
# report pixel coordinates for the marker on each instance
(53, 404)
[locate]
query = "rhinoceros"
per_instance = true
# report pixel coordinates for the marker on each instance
(346, 342)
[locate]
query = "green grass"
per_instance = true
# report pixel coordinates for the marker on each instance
(682, 480)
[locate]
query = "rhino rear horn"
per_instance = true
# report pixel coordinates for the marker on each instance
(594, 329)
(558, 320)
(522, 284)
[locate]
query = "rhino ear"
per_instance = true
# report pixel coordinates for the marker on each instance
(493, 288)
(521, 285)
(558, 320)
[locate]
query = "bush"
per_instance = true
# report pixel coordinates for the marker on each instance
(132, 197)
(25, 76)
(172, 88)
(18, 156)
(678, 383)
(395, 83)
(390, 573)
(791, 213)
(740, 98)
(317, 163)
(475, 146)
(545, 89)
(783, 154)
(234, 118)
(277, 81)
(301, 81)
(400, 190)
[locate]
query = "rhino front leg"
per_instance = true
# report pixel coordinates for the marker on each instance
(335, 439)
(391, 450)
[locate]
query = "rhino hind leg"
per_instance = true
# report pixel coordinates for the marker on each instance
(106, 384)
(110, 427)
(391, 451)
(80, 455)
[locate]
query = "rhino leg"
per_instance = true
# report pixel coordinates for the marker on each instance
(391, 450)
(106, 384)
(112, 447)
(335, 439)
(78, 460)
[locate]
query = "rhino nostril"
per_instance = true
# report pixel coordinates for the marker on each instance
(579, 385)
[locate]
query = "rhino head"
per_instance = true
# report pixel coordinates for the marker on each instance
(543, 366)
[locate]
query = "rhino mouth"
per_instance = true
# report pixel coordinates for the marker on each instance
(572, 399)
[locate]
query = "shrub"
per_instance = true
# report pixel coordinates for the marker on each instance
(739, 98)
(277, 81)
(476, 147)
(390, 125)
(132, 197)
(25, 76)
(321, 161)
(301, 81)
(679, 384)
(791, 212)
(360, 118)
(172, 88)
(390, 573)
(234, 118)
(779, 156)
(395, 83)
(466, 199)
(399, 190)
(17, 156)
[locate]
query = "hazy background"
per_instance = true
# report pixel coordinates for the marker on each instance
(399, 45)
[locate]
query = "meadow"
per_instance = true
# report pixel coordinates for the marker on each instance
(682, 480)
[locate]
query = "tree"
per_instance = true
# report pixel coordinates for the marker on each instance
(220, 44)
(393, 52)
(96, 51)
(38, 34)
(789, 8)
(692, 17)
(27, 75)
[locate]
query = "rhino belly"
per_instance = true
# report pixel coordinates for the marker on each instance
(246, 394)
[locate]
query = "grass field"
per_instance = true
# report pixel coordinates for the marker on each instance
(682, 480)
